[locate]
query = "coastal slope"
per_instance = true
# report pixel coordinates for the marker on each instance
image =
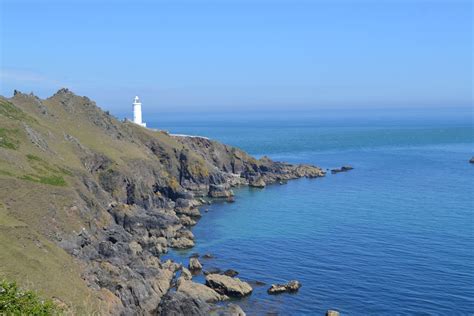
(88, 203)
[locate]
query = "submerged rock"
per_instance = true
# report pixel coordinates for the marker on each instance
(471, 160)
(291, 286)
(229, 286)
(342, 169)
(230, 272)
(208, 256)
(212, 271)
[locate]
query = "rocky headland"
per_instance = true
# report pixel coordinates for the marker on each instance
(93, 201)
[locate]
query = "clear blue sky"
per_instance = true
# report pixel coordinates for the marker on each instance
(245, 54)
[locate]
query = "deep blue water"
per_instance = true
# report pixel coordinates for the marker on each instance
(393, 236)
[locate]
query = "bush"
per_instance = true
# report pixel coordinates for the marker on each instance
(14, 301)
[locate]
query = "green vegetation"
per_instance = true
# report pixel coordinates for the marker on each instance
(6, 139)
(6, 173)
(12, 112)
(51, 180)
(14, 301)
(46, 173)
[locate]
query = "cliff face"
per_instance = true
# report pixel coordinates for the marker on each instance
(95, 201)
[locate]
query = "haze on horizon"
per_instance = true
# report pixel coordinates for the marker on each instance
(241, 55)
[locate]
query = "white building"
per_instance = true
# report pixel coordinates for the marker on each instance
(137, 112)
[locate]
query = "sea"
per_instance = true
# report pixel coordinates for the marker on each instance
(394, 236)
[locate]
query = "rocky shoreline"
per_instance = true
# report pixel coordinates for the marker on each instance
(134, 193)
(133, 244)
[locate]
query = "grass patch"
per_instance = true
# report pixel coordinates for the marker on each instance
(6, 173)
(33, 157)
(6, 139)
(51, 180)
(10, 111)
(14, 301)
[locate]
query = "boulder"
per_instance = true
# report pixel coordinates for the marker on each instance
(180, 303)
(228, 310)
(257, 183)
(291, 286)
(332, 313)
(192, 212)
(185, 220)
(182, 243)
(234, 310)
(199, 291)
(186, 274)
(135, 248)
(194, 264)
(219, 191)
(224, 284)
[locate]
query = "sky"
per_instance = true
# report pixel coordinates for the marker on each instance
(232, 55)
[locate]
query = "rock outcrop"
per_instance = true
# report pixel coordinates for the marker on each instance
(226, 285)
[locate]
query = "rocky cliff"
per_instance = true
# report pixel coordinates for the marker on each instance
(88, 204)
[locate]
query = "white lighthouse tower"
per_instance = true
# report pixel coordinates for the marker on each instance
(137, 112)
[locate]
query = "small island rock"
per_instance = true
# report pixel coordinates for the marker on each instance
(342, 169)
(291, 286)
(332, 313)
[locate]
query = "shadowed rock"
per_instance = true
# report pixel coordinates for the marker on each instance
(181, 303)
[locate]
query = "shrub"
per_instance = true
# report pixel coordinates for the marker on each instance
(14, 301)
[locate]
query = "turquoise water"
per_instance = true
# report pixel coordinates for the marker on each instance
(393, 236)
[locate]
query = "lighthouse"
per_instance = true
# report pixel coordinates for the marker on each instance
(137, 112)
